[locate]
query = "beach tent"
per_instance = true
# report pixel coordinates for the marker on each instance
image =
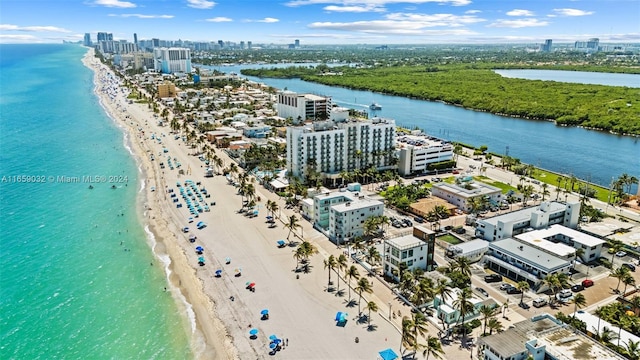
(253, 332)
(264, 312)
(388, 354)
(273, 337)
(281, 243)
(341, 316)
(218, 273)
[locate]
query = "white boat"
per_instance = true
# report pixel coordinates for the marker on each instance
(375, 106)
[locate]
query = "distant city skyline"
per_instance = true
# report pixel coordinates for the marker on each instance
(316, 22)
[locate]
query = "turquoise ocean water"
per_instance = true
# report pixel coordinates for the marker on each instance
(78, 279)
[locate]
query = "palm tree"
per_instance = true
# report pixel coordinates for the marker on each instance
(627, 280)
(407, 339)
(433, 346)
(619, 273)
(607, 335)
(444, 291)
(298, 254)
(578, 302)
(487, 312)
(545, 190)
(419, 324)
(463, 305)
(494, 324)
(341, 264)
(373, 256)
(351, 273)
(292, 224)
(522, 286)
(632, 349)
(363, 285)
(462, 264)
(330, 263)
(371, 306)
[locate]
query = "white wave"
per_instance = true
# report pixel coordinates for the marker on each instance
(166, 261)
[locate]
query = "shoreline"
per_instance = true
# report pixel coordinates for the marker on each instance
(206, 333)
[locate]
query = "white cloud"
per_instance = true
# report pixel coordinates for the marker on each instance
(373, 3)
(572, 12)
(9, 27)
(519, 12)
(15, 38)
(353, 9)
(388, 27)
(219, 19)
(432, 20)
(115, 3)
(200, 4)
(519, 23)
(142, 16)
(471, 12)
(268, 20)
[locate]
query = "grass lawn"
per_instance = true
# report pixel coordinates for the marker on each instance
(450, 239)
(550, 178)
(500, 185)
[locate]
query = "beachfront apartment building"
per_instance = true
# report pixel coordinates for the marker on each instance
(322, 204)
(407, 249)
(300, 107)
(447, 312)
(166, 90)
(473, 250)
(346, 220)
(417, 152)
(460, 194)
(543, 337)
(329, 147)
(535, 217)
(520, 261)
(172, 60)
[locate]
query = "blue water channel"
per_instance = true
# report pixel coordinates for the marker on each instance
(592, 155)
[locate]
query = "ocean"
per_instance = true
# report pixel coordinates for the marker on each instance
(78, 278)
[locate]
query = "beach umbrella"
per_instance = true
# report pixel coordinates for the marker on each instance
(218, 272)
(201, 259)
(253, 332)
(272, 346)
(277, 341)
(252, 284)
(199, 248)
(265, 312)
(227, 259)
(273, 337)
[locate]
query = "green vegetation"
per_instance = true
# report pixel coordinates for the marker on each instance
(475, 86)
(450, 239)
(595, 106)
(500, 185)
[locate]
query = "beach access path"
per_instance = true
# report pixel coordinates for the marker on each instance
(301, 310)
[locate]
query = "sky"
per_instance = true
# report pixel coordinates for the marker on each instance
(316, 22)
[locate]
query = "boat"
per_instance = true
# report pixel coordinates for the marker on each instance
(375, 106)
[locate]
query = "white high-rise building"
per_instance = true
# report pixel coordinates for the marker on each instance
(301, 107)
(172, 60)
(332, 147)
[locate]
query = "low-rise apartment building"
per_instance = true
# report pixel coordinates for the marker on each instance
(346, 220)
(460, 195)
(565, 241)
(536, 217)
(407, 249)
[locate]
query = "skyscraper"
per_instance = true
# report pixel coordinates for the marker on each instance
(135, 38)
(297, 43)
(547, 46)
(87, 39)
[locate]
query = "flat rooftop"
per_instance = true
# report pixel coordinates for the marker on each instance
(554, 230)
(470, 246)
(357, 203)
(405, 242)
(559, 340)
(529, 254)
(477, 188)
(523, 214)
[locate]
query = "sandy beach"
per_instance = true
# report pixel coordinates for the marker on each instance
(301, 310)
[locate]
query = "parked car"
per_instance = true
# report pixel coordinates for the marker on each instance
(448, 227)
(524, 305)
(493, 278)
(629, 266)
(483, 291)
(577, 288)
(514, 290)
(539, 302)
(505, 286)
(407, 222)
(418, 219)
(564, 293)
(587, 283)
(621, 254)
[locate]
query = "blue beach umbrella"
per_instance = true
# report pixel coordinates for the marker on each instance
(201, 259)
(253, 332)
(218, 272)
(265, 312)
(273, 337)
(277, 341)
(272, 346)
(199, 248)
